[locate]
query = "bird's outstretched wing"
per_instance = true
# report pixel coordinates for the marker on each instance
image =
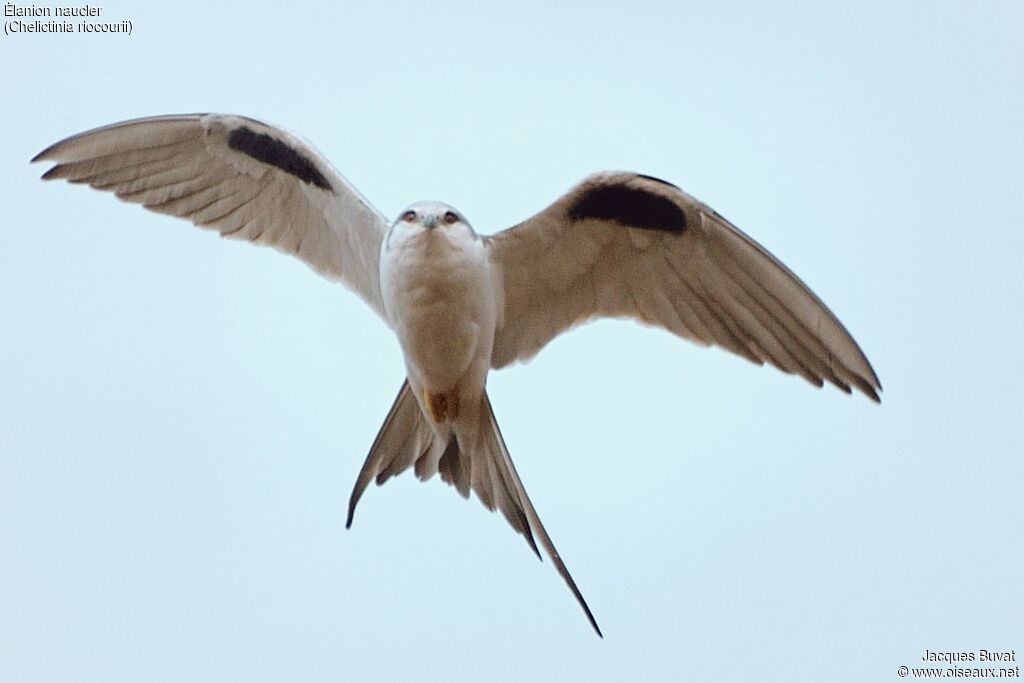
(628, 245)
(243, 178)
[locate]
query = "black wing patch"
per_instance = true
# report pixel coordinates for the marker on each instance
(270, 150)
(630, 206)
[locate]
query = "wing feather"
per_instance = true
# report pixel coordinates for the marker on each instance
(646, 250)
(241, 177)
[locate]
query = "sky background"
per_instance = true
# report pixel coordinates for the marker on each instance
(182, 417)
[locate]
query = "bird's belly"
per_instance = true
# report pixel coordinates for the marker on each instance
(440, 342)
(440, 307)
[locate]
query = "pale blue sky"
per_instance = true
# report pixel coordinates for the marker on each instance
(182, 418)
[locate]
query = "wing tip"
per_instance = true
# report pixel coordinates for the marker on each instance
(870, 387)
(53, 173)
(53, 152)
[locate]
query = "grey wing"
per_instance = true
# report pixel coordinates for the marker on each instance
(243, 178)
(628, 245)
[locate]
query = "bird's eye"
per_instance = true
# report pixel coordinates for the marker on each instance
(450, 217)
(409, 216)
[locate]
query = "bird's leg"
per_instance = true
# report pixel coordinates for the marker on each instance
(437, 404)
(442, 407)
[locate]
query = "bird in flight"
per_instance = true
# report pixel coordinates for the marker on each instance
(620, 245)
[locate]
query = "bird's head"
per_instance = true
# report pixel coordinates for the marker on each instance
(425, 217)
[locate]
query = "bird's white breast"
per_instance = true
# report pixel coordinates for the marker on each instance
(438, 294)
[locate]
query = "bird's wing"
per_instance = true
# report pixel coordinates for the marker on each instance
(632, 246)
(243, 178)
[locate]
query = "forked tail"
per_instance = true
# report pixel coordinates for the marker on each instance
(406, 440)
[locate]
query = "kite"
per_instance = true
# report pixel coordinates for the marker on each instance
(618, 244)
